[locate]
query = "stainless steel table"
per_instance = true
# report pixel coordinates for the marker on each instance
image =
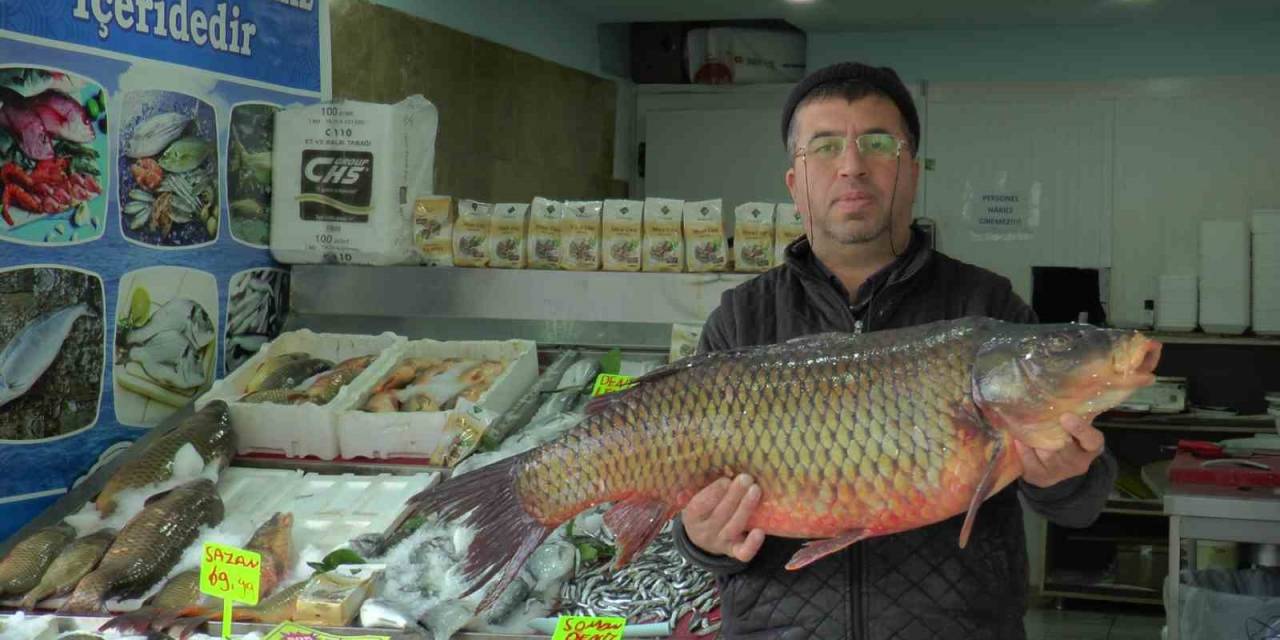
(1210, 512)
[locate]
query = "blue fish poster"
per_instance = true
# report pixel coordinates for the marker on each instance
(135, 162)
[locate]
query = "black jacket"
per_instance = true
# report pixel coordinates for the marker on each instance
(912, 585)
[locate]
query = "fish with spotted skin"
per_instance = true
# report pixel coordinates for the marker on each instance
(72, 564)
(26, 563)
(847, 436)
(149, 546)
(207, 430)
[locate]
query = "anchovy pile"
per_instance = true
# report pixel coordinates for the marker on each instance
(657, 585)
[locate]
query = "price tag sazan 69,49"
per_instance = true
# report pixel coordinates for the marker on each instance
(607, 383)
(230, 573)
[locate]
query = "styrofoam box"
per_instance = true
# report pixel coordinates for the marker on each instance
(328, 510)
(426, 435)
(296, 430)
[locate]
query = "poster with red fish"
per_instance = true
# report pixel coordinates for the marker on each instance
(53, 151)
(135, 149)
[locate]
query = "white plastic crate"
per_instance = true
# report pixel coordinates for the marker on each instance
(299, 430)
(430, 435)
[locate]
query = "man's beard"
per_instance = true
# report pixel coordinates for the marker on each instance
(846, 236)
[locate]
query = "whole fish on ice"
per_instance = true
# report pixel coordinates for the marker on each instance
(25, 564)
(208, 431)
(30, 352)
(847, 436)
(73, 563)
(149, 546)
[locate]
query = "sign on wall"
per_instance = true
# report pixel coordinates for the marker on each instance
(135, 146)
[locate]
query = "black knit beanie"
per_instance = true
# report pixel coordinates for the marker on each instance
(884, 79)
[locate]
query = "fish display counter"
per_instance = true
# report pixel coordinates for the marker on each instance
(343, 548)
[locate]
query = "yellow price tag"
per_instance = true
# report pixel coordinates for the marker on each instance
(231, 574)
(294, 631)
(588, 628)
(609, 383)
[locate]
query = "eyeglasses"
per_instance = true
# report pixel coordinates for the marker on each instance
(872, 146)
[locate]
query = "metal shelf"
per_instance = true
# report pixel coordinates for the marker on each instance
(578, 308)
(1176, 423)
(1195, 337)
(1135, 507)
(1106, 593)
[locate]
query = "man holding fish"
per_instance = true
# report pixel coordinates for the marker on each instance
(852, 132)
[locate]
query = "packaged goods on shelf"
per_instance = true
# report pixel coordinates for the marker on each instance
(471, 234)
(546, 224)
(788, 225)
(622, 234)
(582, 236)
(663, 238)
(433, 220)
(704, 237)
(753, 237)
(507, 235)
(345, 176)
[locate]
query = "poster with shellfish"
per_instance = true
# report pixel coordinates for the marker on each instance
(135, 170)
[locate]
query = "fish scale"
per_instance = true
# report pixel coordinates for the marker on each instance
(149, 545)
(797, 424)
(847, 437)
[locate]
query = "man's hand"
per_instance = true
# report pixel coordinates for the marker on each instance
(1044, 468)
(716, 518)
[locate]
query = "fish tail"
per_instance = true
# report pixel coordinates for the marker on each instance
(505, 533)
(34, 597)
(90, 596)
(140, 621)
(106, 503)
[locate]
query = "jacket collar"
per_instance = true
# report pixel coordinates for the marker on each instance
(799, 257)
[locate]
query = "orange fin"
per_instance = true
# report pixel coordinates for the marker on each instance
(636, 522)
(982, 492)
(815, 550)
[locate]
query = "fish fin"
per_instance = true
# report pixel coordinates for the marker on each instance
(636, 522)
(815, 550)
(155, 497)
(598, 405)
(183, 627)
(89, 597)
(982, 492)
(821, 337)
(505, 533)
(140, 621)
(33, 598)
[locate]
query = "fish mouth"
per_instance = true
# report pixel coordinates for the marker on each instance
(1136, 360)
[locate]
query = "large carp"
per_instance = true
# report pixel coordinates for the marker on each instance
(847, 436)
